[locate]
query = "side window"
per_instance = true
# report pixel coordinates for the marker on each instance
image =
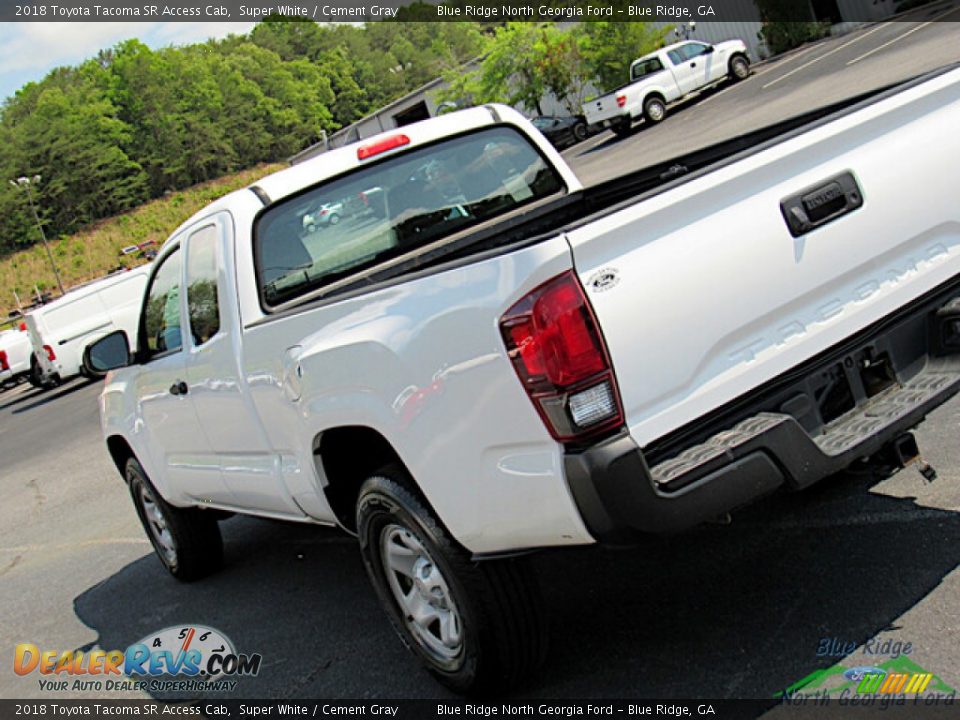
(693, 50)
(648, 67)
(203, 297)
(161, 316)
(675, 57)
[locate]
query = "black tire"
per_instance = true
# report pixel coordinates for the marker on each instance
(739, 68)
(580, 132)
(197, 548)
(334, 219)
(496, 604)
(654, 110)
(35, 378)
(623, 129)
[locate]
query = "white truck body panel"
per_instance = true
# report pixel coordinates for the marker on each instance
(714, 256)
(416, 349)
(72, 322)
(713, 298)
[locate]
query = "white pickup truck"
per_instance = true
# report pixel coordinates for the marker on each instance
(504, 361)
(663, 77)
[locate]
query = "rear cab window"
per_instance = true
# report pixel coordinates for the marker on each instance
(644, 68)
(393, 208)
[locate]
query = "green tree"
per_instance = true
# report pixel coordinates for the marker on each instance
(561, 67)
(608, 48)
(134, 123)
(510, 72)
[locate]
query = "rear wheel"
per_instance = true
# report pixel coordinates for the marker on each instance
(36, 377)
(580, 131)
(334, 219)
(478, 627)
(654, 109)
(187, 540)
(623, 129)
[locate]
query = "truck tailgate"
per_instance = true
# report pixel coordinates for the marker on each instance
(702, 291)
(603, 108)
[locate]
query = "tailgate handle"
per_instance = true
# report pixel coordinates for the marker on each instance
(821, 203)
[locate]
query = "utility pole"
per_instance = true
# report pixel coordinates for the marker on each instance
(24, 183)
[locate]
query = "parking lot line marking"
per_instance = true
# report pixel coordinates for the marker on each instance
(775, 63)
(757, 73)
(901, 37)
(72, 545)
(817, 59)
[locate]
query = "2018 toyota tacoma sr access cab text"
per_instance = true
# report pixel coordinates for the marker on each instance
(502, 360)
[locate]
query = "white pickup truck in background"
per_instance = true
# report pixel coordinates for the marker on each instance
(665, 76)
(502, 360)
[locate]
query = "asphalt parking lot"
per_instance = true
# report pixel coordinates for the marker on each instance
(722, 612)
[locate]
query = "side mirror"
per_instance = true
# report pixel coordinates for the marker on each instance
(708, 50)
(108, 353)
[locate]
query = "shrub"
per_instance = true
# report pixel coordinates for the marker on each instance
(780, 36)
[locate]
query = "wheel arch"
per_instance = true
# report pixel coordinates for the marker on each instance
(120, 451)
(346, 456)
(650, 96)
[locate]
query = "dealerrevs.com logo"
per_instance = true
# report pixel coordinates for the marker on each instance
(178, 658)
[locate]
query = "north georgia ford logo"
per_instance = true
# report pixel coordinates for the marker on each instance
(196, 652)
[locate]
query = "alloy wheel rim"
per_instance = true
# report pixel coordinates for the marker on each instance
(157, 524)
(656, 111)
(422, 593)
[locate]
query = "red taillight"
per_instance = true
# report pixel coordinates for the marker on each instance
(557, 351)
(23, 327)
(323, 211)
(4, 363)
(51, 355)
(621, 100)
(381, 146)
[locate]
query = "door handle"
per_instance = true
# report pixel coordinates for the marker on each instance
(179, 388)
(821, 204)
(693, 64)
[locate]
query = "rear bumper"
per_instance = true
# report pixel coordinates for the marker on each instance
(778, 436)
(609, 122)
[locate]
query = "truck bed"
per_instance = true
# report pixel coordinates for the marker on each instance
(598, 201)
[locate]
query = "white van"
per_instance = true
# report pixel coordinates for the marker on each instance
(61, 330)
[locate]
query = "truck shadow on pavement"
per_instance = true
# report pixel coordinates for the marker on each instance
(642, 126)
(38, 397)
(722, 612)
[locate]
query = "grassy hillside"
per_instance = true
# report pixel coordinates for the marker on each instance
(95, 251)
